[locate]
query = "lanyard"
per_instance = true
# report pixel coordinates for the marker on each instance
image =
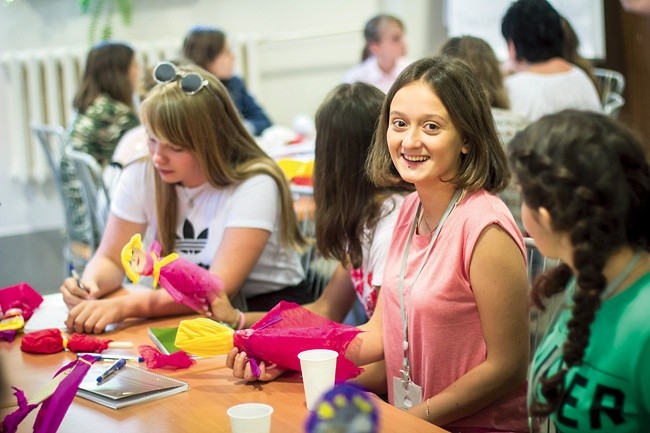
(450, 207)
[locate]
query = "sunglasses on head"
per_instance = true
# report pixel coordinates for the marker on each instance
(190, 82)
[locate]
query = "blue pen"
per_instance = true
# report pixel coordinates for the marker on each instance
(103, 357)
(112, 369)
(74, 274)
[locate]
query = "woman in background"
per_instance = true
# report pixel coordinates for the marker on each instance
(543, 81)
(383, 56)
(104, 101)
(585, 185)
(208, 48)
(478, 54)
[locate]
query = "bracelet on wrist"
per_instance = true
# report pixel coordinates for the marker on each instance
(427, 411)
(242, 320)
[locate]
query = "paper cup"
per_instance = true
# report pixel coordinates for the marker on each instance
(318, 369)
(250, 418)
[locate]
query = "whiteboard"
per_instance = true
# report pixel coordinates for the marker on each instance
(482, 18)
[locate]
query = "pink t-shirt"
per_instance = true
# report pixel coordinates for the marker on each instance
(445, 337)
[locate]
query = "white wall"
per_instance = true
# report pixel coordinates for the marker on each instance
(295, 70)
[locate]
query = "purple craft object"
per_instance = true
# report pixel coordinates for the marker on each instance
(8, 335)
(54, 407)
(11, 421)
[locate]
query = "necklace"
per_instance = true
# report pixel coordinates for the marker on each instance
(190, 198)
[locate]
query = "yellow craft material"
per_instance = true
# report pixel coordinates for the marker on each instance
(204, 337)
(296, 168)
(12, 320)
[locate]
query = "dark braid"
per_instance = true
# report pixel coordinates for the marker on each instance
(591, 174)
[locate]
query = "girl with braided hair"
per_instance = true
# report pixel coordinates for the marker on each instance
(585, 185)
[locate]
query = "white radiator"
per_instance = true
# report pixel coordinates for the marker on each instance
(40, 87)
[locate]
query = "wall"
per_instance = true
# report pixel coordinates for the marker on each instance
(296, 69)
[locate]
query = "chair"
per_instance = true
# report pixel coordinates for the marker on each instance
(612, 107)
(78, 179)
(612, 85)
(318, 270)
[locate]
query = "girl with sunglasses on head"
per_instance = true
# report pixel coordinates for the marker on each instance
(451, 322)
(208, 48)
(207, 192)
(585, 187)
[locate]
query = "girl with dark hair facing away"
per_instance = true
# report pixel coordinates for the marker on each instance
(451, 321)
(585, 186)
(104, 100)
(383, 56)
(207, 192)
(208, 48)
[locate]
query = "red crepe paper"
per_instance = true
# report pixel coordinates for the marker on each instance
(154, 358)
(43, 341)
(87, 343)
(51, 341)
(21, 296)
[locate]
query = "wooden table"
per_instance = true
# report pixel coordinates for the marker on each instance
(203, 408)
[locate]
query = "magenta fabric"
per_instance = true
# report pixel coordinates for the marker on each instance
(288, 329)
(445, 336)
(22, 296)
(154, 358)
(186, 282)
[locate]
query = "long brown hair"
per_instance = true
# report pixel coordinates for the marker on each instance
(208, 125)
(203, 44)
(484, 166)
(347, 201)
(106, 71)
(479, 55)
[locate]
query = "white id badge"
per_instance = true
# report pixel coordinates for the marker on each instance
(406, 394)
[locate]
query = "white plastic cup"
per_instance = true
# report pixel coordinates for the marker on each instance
(250, 418)
(318, 368)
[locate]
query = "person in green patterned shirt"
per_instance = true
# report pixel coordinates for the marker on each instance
(104, 101)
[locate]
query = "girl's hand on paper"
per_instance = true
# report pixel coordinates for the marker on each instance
(92, 317)
(241, 367)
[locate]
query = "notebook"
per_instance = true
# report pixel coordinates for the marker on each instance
(129, 385)
(164, 339)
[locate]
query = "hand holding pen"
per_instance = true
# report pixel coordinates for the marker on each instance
(74, 274)
(117, 365)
